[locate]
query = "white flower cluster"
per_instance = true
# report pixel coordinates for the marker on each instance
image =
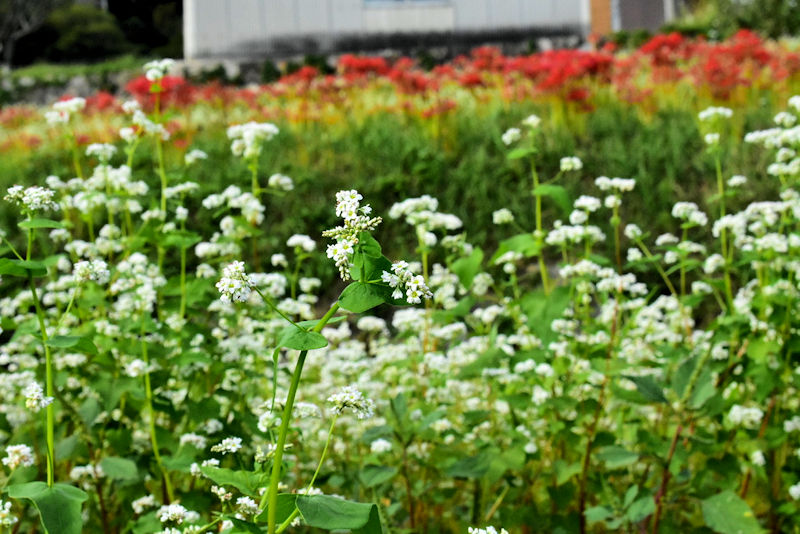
(228, 445)
(174, 512)
(193, 156)
(280, 182)
(235, 283)
(618, 185)
(301, 241)
(32, 198)
(143, 503)
(570, 163)
(247, 139)
(252, 209)
(502, 216)
(6, 519)
(95, 270)
(744, 416)
(511, 136)
(402, 279)
(64, 109)
(486, 530)
(102, 151)
(715, 112)
(352, 398)
(157, 69)
(689, 212)
(356, 219)
(34, 397)
(17, 455)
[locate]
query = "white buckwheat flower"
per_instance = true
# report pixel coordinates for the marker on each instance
(356, 219)
(6, 519)
(502, 216)
(571, 163)
(193, 156)
(33, 198)
(94, 270)
(228, 445)
(34, 397)
(352, 398)
(511, 136)
(280, 182)
(235, 284)
(402, 279)
(17, 455)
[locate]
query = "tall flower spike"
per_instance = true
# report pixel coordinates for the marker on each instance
(356, 219)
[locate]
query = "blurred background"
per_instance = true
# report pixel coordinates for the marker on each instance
(81, 46)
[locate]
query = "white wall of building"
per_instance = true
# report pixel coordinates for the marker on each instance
(237, 28)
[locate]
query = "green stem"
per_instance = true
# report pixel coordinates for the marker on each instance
(296, 511)
(152, 426)
(272, 306)
(183, 282)
(271, 496)
(50, 390)
(723, 236)
(539, 230)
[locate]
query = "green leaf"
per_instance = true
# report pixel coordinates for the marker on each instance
(726, 513)
(375, 475)
(630, 495)
(565, 471)
(10, 267)
(119, 468)
(330, 513)
(558, 194)
(466, 268)
(59, 507)
(78, 343)
(359, 297)
(616, 457)
(519, 153)
(286, 506)
(525, 244)
(246, 482)
(368, 245)
(39, 223)
(181, 239)
(22, 268)
(240, 527)
(472, 467)
(641, 508)
(598, 513)
(296, 338)
(648, 387)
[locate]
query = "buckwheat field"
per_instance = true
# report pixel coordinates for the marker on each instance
(548, 293)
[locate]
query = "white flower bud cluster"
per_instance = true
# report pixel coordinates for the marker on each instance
(350, 397)
(744, 416)
(228, 445)
(688, 211)
(34, 397)
(95, 270)
(402, 279)
(570, 163)
(18, 455)
(33, 198)
(486, 530)
(157, 69)
(174, 512)
(247, 139)
(715, 112)
(102, 151)
(618, 185)
(511, 136)
(280, 182)
(301, 241)
(356, 219)
(502, 216)
(193, 156)
(63, 110)
(6, 519)
(235, 284)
